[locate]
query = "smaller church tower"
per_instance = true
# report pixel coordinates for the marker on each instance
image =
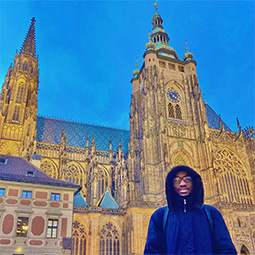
(18, 101)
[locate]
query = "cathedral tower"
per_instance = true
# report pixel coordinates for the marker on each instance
(18, 101)
(167, 117)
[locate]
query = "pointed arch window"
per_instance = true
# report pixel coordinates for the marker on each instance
(19, 94)
(170, 110)
(109, 240)
(24, 67)
(244, 250)
(79, 239)
(233, 183)
(178, 112)
(74, 174)
(49, 168)
(102, 181)
(16, 112)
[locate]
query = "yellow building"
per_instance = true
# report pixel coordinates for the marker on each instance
(170, 124)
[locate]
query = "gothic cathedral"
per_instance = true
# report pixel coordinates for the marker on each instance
(122, 173)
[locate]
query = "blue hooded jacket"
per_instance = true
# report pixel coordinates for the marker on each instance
(187, 229)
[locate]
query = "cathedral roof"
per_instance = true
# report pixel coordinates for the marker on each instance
(213, 119)
(49, 131)
(107, 201)
(79, 201)
(18, 169)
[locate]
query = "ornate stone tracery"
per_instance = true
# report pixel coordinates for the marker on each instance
(74, 174)
(79, 239)
(109, 240)
(49, 167)
(232, 178)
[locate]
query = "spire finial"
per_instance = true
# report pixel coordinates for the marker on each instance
(136, 71)
(156, 4)
(186, 45)
(239, 126)
(188, 55)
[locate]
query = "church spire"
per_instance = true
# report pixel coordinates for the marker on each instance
(28, 47)
(158, 36)
(158, 40)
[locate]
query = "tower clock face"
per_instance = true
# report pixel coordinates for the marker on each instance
(173, 96)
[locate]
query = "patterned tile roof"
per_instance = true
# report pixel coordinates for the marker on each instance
(213, 119)
(107, 201)
(49, 131)
(18, 169)
(79, 201)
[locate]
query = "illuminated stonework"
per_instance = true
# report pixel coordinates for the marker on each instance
(166, 129)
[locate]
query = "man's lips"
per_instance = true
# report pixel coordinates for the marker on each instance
(183, 190)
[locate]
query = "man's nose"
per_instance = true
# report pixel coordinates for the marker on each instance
(182, 183)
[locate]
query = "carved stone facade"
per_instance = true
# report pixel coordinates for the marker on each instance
(170, 124)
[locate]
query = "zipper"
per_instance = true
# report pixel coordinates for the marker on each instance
(184, 201)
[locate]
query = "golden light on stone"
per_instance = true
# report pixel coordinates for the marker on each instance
(19, 250)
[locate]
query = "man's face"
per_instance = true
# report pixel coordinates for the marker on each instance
(183, 183)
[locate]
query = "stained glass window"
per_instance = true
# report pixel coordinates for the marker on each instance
(233, 183)
(79, 239)
(178, 112)
(170, 110)
(109, 240)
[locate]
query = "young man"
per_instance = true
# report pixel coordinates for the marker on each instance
(186, 226)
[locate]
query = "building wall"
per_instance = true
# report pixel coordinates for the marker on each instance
(162, 135)
(39, 209)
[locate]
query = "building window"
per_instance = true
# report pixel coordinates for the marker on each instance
(55, 196)
(109, 240)
(52, 228)
(22, 226)
(16, 112)
(170, 110)
(171, 66)
(162, 64)
(30, 173)
(2, 192)
(181, 69)
(102, 181)
(233, 181)
(25, 66)
(74, 174)
(178, 112)
(79, 236)
(3, 161)
(19, 95)
(26, 194)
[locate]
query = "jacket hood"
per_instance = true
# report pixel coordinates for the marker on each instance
(196, 195)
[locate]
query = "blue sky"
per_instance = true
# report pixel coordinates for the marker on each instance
(87, 52)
